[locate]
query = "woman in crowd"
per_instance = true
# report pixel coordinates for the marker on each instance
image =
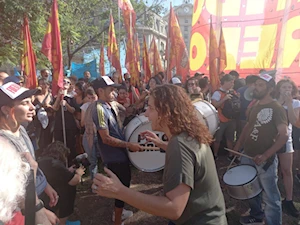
(89, 140)
(44, 100)
(192, 89)
(64, 180)
(67, 103)
(153, 82)
(285, 90)
(133, 93)
(192, 192)
(16, 108)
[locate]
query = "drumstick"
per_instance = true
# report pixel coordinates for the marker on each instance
(149, 148)
(238, 153)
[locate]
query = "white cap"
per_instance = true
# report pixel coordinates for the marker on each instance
(175, 80)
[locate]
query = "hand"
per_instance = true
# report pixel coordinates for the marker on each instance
(52, 194)
(72, 168)
(80, 171)
(259, 159)
(63, 102)
(151, 137)
(228, 96)
(132, 88)
(134, 147)
(51, 217)
(107, 186)
(288, 97)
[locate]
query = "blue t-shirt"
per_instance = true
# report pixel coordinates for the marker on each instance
(104, 118)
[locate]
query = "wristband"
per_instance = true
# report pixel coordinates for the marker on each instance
(39, 206)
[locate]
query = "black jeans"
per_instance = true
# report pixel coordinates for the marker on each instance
(122, 171)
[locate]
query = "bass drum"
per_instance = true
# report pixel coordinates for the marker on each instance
(208, 115)
(147, 160)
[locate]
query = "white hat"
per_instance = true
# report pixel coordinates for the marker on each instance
(175, 80)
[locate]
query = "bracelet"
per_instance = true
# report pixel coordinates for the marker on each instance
(39, 206)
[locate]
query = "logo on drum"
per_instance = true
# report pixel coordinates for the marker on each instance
(151, 144)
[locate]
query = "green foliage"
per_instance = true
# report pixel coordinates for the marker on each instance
(82, 23)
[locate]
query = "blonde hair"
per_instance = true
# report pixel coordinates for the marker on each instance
(13, 175)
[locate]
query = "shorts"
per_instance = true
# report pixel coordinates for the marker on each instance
(296, 138)
(227, 128)
(123, 172)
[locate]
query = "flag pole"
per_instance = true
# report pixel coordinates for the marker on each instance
(168, 49)
(110, 68)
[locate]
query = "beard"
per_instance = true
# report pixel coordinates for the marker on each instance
(259, 95)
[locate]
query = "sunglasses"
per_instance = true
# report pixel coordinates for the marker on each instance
(67, 82)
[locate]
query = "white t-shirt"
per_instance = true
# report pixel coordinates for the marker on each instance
(289, 143)
(85, 106)
(217, 95)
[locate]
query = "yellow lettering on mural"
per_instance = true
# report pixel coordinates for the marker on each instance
(281, 5)
(262, 48)
(232, 39)
(255, 7)
(197, 44)
(291, 46)
(197, 13)
(229, 7)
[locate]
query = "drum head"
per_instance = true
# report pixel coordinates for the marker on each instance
(240, 175)
(148, 160)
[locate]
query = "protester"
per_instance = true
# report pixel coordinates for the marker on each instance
(87, 77)
(264, 134)
(192, 193)
(89, 139)
(285, 90)
(133, 92)
(205, 88)
(153, 82)
(45, 73)
(176, 81)
(64, 180)
(16, 108)
(111, 140)
(68, 105)
(71, 90)
(227, 125)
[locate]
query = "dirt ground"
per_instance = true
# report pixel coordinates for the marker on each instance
(94, 210)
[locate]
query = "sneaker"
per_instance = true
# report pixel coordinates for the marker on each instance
(125, 215)
(289, 208)
(250, 220)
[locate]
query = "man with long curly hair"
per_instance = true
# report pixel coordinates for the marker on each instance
(192, 193)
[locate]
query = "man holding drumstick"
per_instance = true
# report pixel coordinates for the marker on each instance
(192, 193)
(264, 134)
(111, 140)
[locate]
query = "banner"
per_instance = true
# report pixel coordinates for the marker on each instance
(78, 69)
(259, 34)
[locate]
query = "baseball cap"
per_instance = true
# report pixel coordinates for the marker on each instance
(13, 79)
(12, 91)
(175, 80)
(103, 82)
(268, 77)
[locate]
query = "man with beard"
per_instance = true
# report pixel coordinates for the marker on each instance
(264, 134)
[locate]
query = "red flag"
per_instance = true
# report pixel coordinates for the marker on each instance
(154, 57)
(146, 62)
(28, 57)
(112, 50)
(213, 57)
(51, 48)
(101, 63)
(178, 54)
(222, 50)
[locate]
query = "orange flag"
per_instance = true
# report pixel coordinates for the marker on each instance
(112, 50)
(28, 57)
(51, 48)
(213, 57)
(138, 52)
(146, 62)
(129, 17)
(101, 63)
(178, 54)
(154, 57)
(222, 50)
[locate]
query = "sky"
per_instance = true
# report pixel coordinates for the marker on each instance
(166, 3)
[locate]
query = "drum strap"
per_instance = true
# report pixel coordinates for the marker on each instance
(269, 163)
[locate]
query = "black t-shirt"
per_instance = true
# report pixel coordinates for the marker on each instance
(58, 176)
(69, 117)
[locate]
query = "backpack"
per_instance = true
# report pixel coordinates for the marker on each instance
(231, 107)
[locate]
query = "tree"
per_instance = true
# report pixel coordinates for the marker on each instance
(82, 24)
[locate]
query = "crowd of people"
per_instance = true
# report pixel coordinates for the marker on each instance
(88, 115)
